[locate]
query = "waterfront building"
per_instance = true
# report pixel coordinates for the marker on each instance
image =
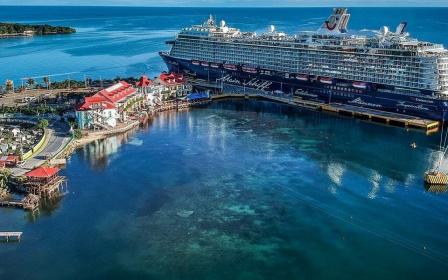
(9, 161)
(108, 106)
(173, 85)
(43, 181)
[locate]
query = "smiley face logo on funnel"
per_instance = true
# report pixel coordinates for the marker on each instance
(332, 22)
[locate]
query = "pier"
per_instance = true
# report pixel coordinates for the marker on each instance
(373, 115)
(7, 236)
(30, 203)
(382, 116)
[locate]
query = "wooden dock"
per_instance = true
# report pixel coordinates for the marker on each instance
(7, 236)
(30, 203)
(373, 115)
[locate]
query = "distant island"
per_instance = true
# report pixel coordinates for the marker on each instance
(18, 30)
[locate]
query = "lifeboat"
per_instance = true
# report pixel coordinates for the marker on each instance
(265, 72)
(230, 67)
(325, 80)
(204, 63)
(360, 85)
(214, 65)
(248, 69)
(195, 62)
(302, 77)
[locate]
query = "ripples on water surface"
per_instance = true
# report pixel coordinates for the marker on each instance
(241, 190)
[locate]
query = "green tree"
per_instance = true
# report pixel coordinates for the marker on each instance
(77, 134)
(5, 175)
(30, 82)
(47, 82)
(42, 124)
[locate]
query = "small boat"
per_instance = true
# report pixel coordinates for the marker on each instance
(302, 77)
(204, 63)
(249, 69)
(230, 67)
(195, 62)
(360, 85)
(214, 65)
(326, 80)
(413, 145)
(265, 72)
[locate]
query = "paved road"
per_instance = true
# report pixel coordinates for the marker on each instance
(58, 137)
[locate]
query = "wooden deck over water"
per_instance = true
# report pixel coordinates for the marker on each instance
(390, 118)
(10, 236)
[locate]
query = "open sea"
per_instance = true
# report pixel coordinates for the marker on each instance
(232, 190)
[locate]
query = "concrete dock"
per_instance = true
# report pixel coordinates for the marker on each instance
(379, 116)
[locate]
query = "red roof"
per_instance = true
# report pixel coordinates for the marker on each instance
(94, 102)
(107, 97)
(144, 82)
(42, 172)
(117, 92)
(171, 78)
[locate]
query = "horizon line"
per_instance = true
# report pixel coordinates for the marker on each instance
(229, 7)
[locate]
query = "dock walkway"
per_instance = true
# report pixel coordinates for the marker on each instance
(374, 115)
(10, 236)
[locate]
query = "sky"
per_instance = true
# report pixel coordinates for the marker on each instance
(233, 3)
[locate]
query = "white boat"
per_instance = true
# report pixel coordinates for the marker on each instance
(249, 69)
(230, 67)
(360, 85)
(302, 77)
(326, 80)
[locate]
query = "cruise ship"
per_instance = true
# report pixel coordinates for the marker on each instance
(384, 70)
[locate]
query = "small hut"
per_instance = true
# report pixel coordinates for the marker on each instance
(44, 181)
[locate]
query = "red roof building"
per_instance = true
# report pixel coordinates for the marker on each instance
(171, 79)
(108, 97)
(144, 82)
(9, 161)
(42, 173)
(117, 92)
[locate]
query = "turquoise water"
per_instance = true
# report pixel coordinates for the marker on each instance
(124, 41)
(241, 190)
(236, 190)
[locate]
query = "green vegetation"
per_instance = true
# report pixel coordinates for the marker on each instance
(131, 103)
(42, 124)
(30, 110)
(77, 133)
(5, 176)
(45, 29)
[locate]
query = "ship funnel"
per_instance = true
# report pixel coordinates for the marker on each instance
(401, 28)
(336, 23)
(272, 28)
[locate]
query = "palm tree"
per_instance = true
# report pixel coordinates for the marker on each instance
(30, 82)
(47, 82)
